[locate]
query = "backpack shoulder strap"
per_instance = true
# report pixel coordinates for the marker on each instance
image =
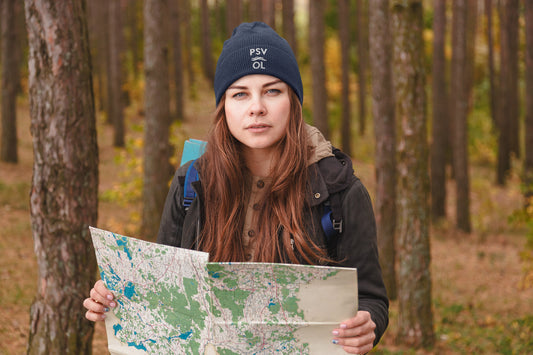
(188, 192)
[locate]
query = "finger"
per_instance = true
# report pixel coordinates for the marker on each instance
(357, 345)
(367, 328)
(95, 317)
(104, 298)
(360, 318)
(94, 306)
(101, 288)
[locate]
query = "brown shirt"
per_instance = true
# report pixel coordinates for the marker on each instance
(258, 186)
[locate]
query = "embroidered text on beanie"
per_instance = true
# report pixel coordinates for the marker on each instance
(255, 48)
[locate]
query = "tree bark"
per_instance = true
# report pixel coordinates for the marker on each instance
(318, 73)
(460, 115)
(207, 52)
(116, 39)
(440, 126)
(188, 45)
(362, 53)
(177, 57)
(344, 35)
(233, 15)
(490, 58)
(157, 121)
(289, 30)
(528, 159)
(64, 195)
(385, 133)
(415, 315)
(269, 12)
(11, 53)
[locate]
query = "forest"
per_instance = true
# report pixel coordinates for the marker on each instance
(432, 99)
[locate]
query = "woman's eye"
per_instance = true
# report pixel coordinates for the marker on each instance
(238, 95)
(273, 91)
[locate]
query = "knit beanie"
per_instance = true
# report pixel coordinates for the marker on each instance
(255, 48)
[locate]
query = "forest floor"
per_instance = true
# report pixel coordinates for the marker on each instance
(479, 304)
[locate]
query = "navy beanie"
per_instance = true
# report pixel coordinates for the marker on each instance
(255, 48)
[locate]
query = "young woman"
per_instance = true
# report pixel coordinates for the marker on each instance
(265, 180)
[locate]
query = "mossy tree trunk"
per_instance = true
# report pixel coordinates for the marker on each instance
(64, 195)
(385, 132)
(414, 279)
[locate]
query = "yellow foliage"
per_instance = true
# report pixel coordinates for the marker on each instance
(332, 61)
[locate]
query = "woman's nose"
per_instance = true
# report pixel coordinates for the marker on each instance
(257, 107)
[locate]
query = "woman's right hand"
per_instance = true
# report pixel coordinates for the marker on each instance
(100, 301)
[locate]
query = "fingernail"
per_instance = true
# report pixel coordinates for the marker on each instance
(109, 297)
(335, 341)
(343, 326)
(112, 304)
(106, 309)
(335, 332)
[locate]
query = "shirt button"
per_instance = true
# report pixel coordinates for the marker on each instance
(260, 184)
(251, 233)
(317, 195)
(256, 207)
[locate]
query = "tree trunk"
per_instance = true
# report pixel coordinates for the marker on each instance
(460, 112)
(98, 24)
(344, 34)
(116, 39)
(289, 31)
(207, 52)
(191, 81)
(490, 45)
(11, 52)
(528, 159)
(384, 129)
(64, 195)
(157, 121)
(415, 315)
(256, 11)
(471, 32)
(440, 113)
(362, 52)
(177, 57)
(233, 15)
(269, 12)
(318, 72)
(134, 18)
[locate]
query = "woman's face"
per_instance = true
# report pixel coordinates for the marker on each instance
(257, 111)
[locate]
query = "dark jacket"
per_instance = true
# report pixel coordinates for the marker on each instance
(355, 247)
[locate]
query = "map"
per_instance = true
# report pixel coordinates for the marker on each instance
(174, 301)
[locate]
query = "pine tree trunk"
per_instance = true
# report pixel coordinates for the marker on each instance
(508, 89)
(362, 53)
(414, 280)
(191, 81)
(207, 52)
(490, 57)
(344, 34)
(318, 71)
(385, 133)
(177, 56)
(10, 11)
(459, 107)
(528, 159)
(289, 31)
(116, 112)
(157, 120)
(64, 195)
(269, 12)
(233, 15)
(440, 113)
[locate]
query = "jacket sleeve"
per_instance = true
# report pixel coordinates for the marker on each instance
(171, 225)
(357, 247)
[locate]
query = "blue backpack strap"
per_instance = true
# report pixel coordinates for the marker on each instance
(330, 226)
(188, 192)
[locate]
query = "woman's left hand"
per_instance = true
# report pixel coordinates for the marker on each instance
(356, 335)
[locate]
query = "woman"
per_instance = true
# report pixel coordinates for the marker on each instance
(265, 180)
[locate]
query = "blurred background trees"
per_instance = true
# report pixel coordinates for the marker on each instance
(156, 60)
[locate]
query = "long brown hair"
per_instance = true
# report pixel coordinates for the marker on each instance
(282, 235)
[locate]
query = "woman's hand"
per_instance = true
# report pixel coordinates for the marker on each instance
(99, 302)
(356, 335)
